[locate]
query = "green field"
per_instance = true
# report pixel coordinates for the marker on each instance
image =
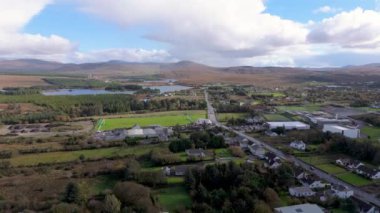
(373, 132)
(275, 117)
(174, 197)
(223, 153)
(223, 117)
(61, 157)
(307, 108)
(163, 119)
(354, 179)
(331, 168)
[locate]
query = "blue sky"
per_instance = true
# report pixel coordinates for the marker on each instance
(242, 32)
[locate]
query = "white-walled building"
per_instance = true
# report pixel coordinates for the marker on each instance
(350, 132)
(302, 208)
(300, 145)
(289, 125)
(301, 191)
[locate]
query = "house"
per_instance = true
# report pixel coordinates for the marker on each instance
(366, 207)
(349, 164)
(300, 145)
(176, 170)
(301, 191)
(198, 153)
(203, 121)
(270, 133)
(302, 208)
(367, 172)
(244, 143)
(347, 131)
(273, 162)
(302, 174)
(257, 151)
(312, 182)
(289, 125)
(342, 192)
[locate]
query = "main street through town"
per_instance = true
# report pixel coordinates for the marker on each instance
(358, 193)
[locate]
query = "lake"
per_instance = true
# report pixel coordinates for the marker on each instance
(58, 92)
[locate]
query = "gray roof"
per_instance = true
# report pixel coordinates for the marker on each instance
(303, 208)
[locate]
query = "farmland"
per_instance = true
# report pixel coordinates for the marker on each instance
(324, 163)
(222, 117)
(275, 117)
(373, 132)
(163, 119)
(307, 108)
(20, 81)
(61, 157)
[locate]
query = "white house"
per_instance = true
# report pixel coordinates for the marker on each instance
(302, 208)
(348, 163)
(257, 151)
(312, 182)
(373, 174)
(199, 153)
(203, 121)
(301, 191)
(350, 132)
(300, 145)
(342, 192)
(289, 125)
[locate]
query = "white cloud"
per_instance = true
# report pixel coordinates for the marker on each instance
(14, 15)
(354, 29)
(131, 55)
(198, 28)
(327, 9)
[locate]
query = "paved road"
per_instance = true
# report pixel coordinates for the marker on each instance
(358, 193)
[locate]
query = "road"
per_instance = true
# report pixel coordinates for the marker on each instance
(358, 193)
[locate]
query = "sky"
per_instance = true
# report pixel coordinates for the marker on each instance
(303, 33)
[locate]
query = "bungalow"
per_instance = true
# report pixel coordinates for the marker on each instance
(302, 208)
(176, 170)
(367, 172)
(198, 153)
(300, 145)
(349, 164)
(312, 182)
(203, 121)
(270, 133)
(301, 191)
(257, 151)
(273, 162)
(289, 125)
(366, 207)
(342, 192)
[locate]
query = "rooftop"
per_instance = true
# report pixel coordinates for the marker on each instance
(303, 208)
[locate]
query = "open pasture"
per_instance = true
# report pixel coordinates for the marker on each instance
(163, 119)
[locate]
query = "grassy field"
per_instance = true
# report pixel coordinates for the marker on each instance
(331, 168)
(223, 117)
(60, 157)
(223, 153)
(174, 197)
(354, 179)
(324, 163)
(275, 117)
(168, 119)
(373, 132)
(307, 108)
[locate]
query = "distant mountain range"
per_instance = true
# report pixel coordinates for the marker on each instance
(194, 73)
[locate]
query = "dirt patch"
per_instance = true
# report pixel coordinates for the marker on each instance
(20, 81)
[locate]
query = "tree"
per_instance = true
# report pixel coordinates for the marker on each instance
(262, 207)
(72, 193)
(132, 169)
(111, 204)
(65, 208)
(271, 197)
